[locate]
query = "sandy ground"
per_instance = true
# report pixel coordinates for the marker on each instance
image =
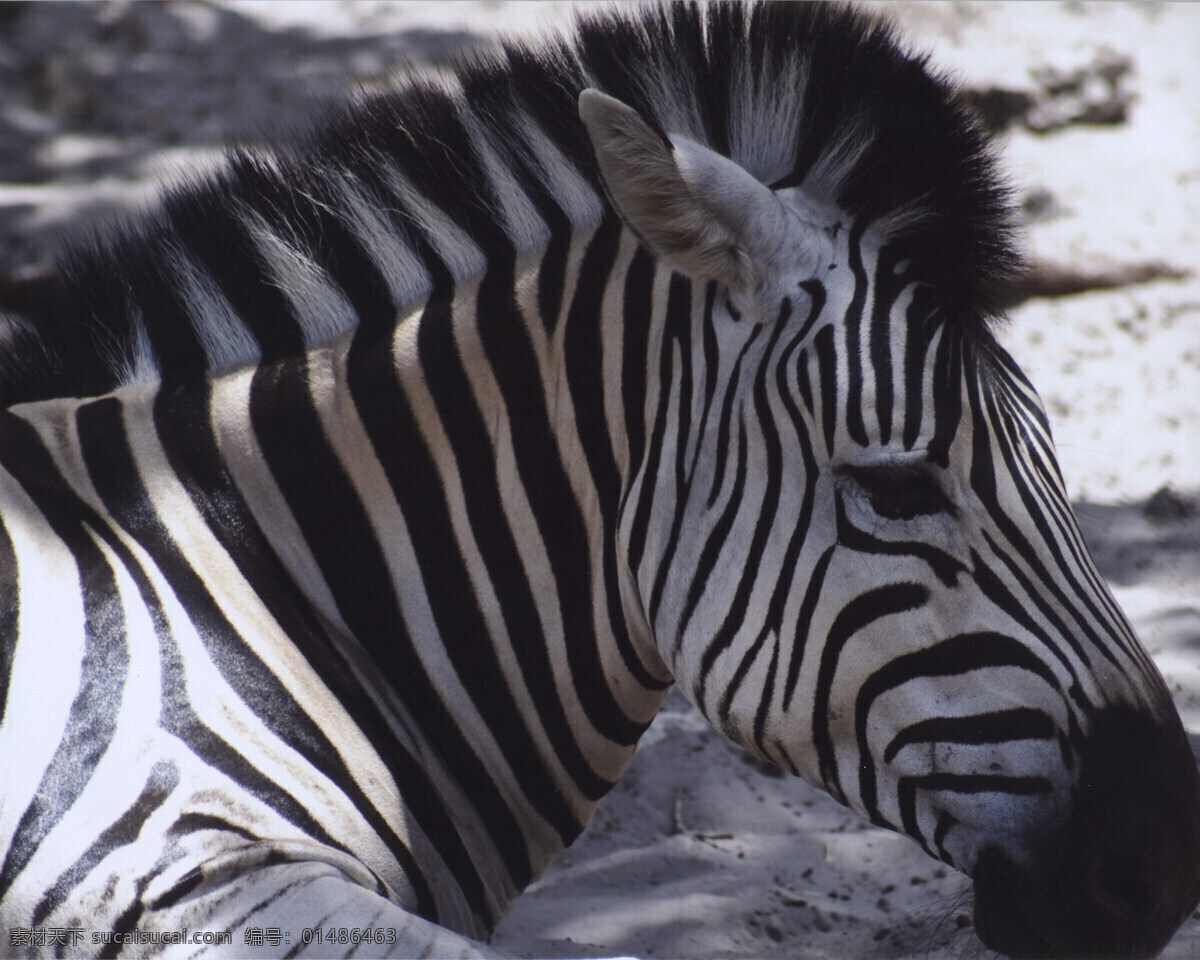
(699, 852)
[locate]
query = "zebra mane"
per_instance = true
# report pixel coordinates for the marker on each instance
(435, 176)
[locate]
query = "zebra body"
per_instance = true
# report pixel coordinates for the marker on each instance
(405, 471)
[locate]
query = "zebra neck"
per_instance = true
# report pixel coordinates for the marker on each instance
(444, 496)
(426, 515)
(447, 591)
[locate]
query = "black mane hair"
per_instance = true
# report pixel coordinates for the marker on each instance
(801, 94)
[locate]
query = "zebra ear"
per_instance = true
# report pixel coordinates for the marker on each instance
(697, 209)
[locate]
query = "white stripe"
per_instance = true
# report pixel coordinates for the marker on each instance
(239, 449)
(523, 224)
(575, 195)
(402, 270)
(764, 123)
(319, 305)
(49, 651)
(222, 334)
(454, 246)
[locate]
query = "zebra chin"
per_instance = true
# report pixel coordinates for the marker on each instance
(1122, 872)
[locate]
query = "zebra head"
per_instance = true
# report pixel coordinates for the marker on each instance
(862, 564)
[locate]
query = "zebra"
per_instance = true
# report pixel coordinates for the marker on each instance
(359, 506)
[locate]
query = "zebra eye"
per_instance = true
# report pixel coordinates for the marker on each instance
(900, 492)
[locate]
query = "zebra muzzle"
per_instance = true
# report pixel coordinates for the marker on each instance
(1123, 872)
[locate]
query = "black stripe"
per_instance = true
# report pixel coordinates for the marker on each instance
(551, 280)
(677, 330)
(725, 702)
(852, 324)
(124, 924)
(917, 333)
(180, 889)
(827, 369)
(960, 783)
(995, 590)
(805, 384)
(887, 290)
(634, 373)
(944, 566)
(637, 303)
(768, 695)
(947, 395)
(1001, 726)
(817, 297)
(954, 656)
(723, 427)
(195, 822)
(710, 368)
(944, 824)
(711, 363)
(859, 613)
(812, 594)
(799, 534)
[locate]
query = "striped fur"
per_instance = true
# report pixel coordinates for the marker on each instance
(441, 172)
(344, 563)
